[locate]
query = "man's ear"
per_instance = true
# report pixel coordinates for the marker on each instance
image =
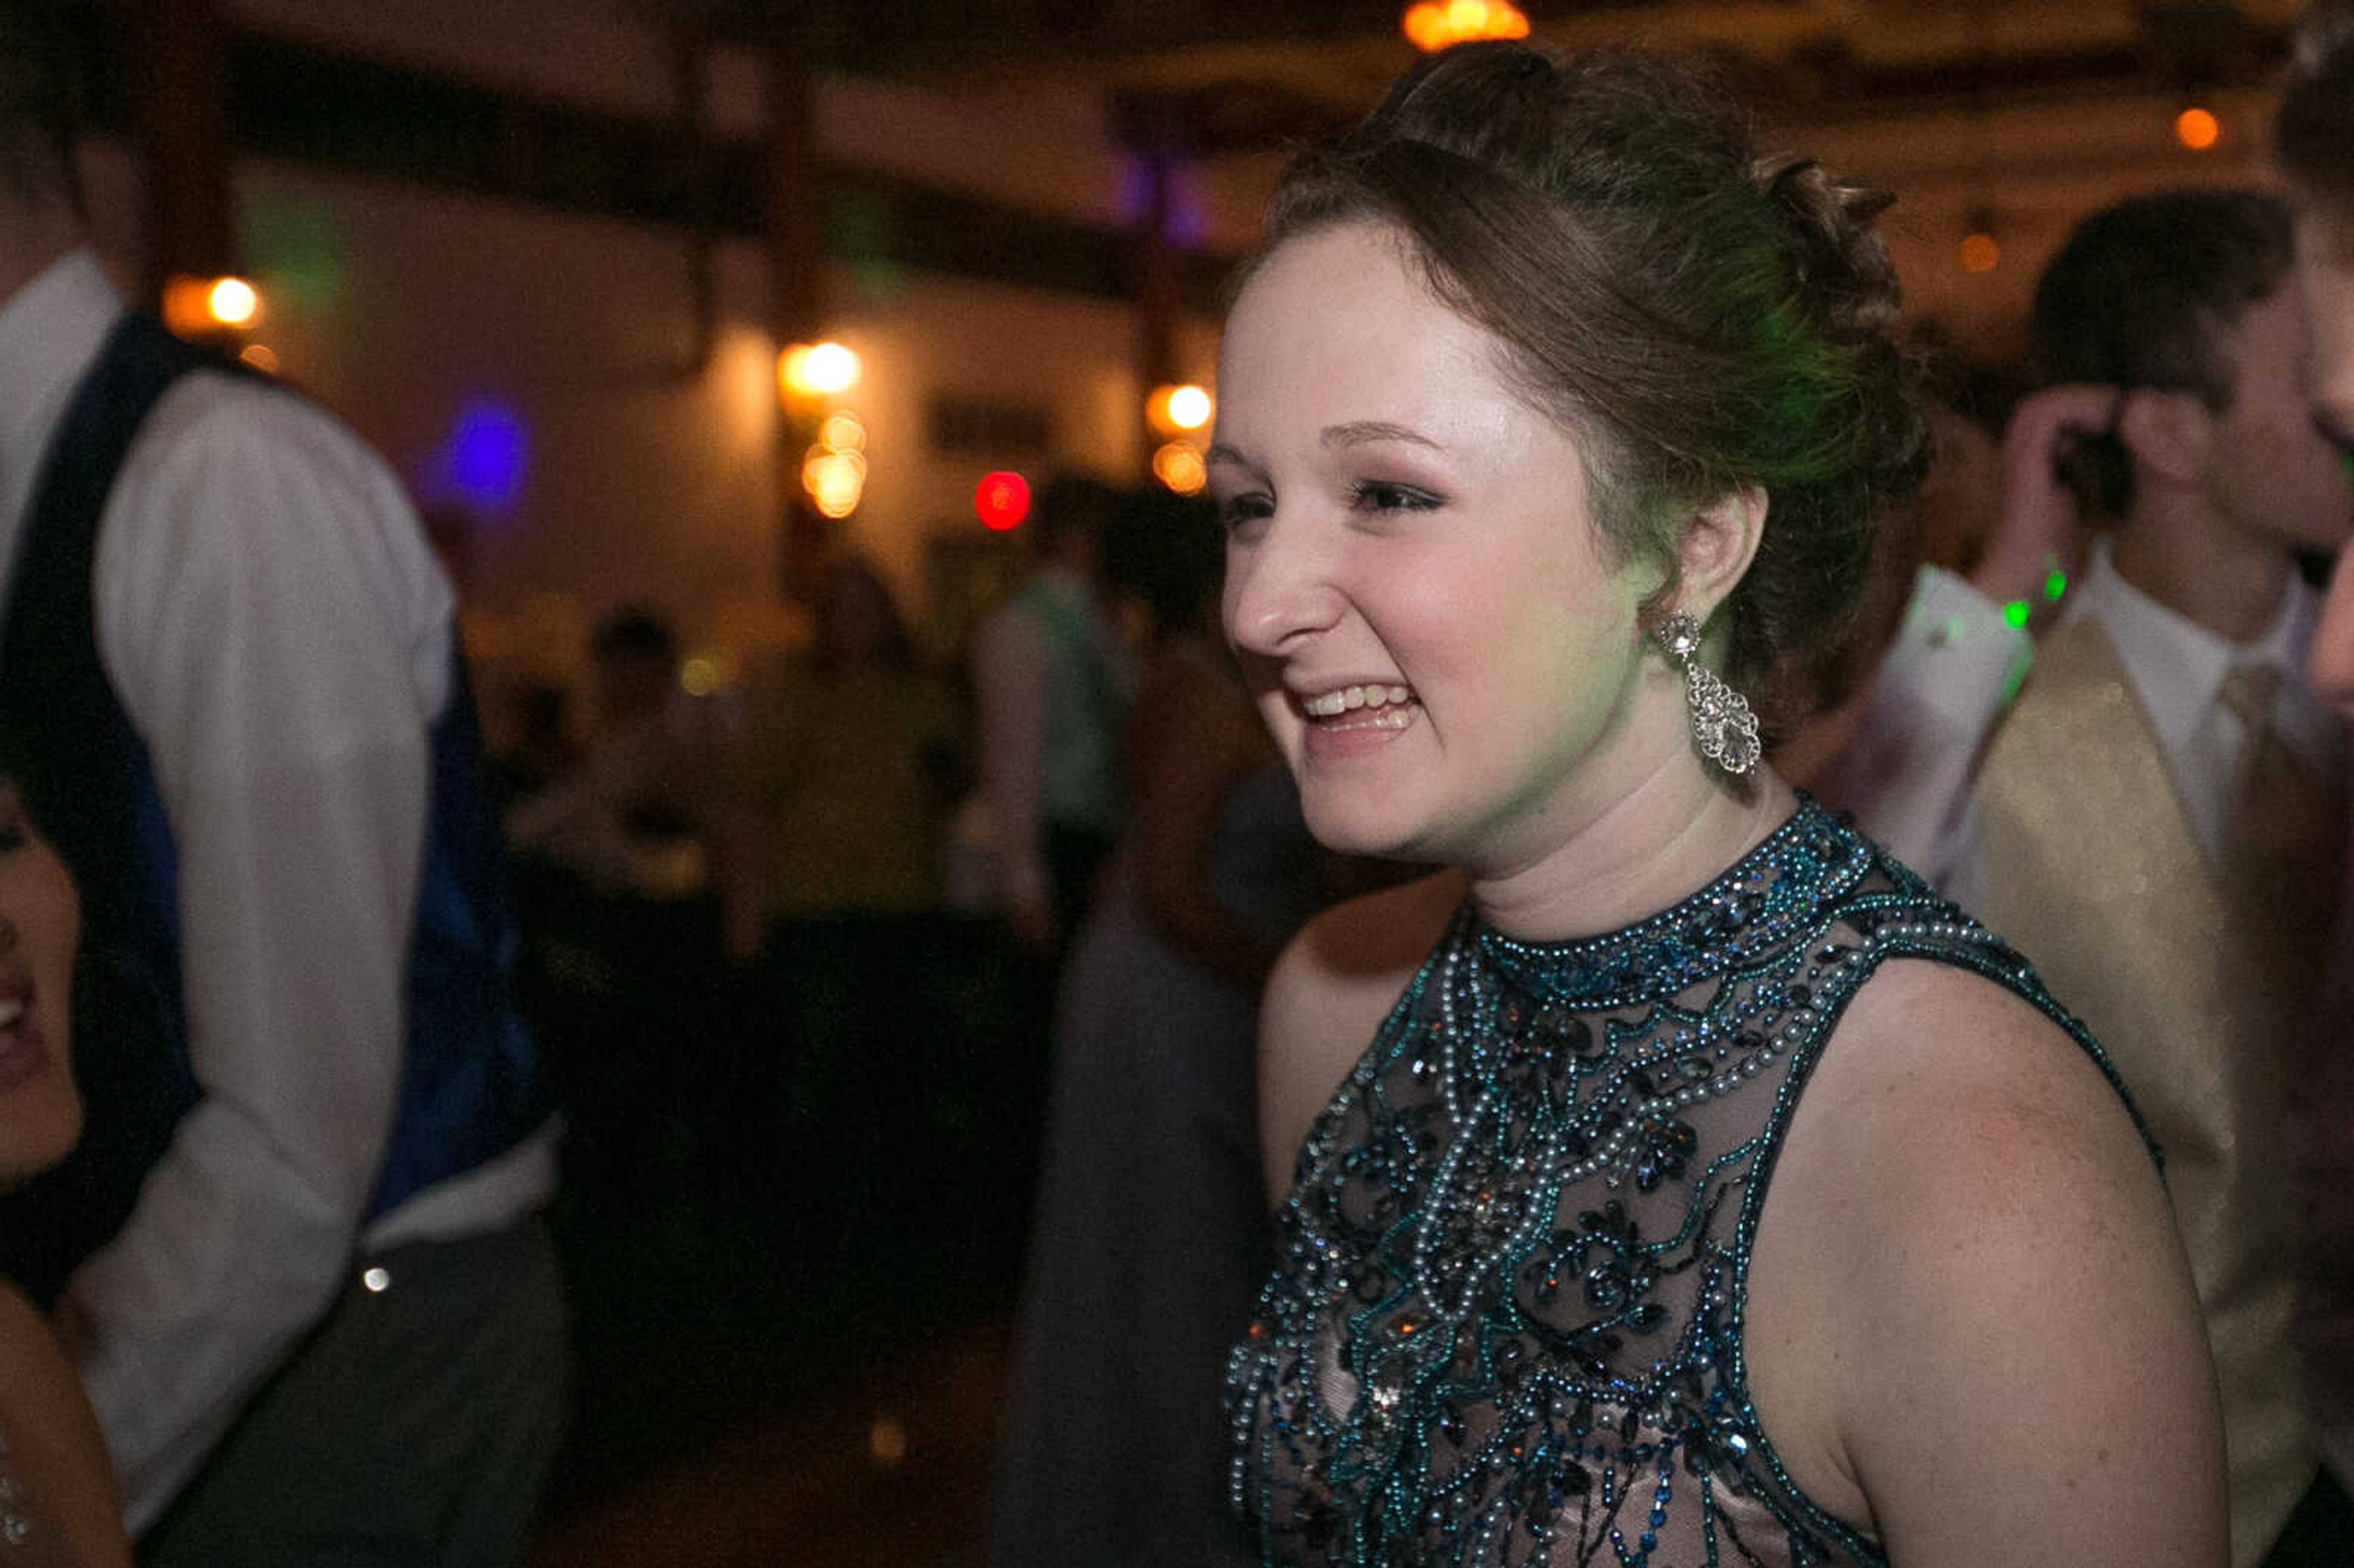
(1715, 548)
(2169, 433)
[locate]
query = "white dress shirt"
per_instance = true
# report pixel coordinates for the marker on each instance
(279, 634)
(2176, 668)
(1906, 774)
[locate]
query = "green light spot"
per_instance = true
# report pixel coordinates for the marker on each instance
(2055, 586)
(2016, 612)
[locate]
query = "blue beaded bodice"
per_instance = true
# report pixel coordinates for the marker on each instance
(1505, 1327)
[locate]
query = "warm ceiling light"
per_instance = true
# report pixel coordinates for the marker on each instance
(842, 432)
(817, 369)
(193, 307)
(1179, 467)
(2198, 129)
(835, 481)
(232, 301)
(1173, 410)
(1435, 25)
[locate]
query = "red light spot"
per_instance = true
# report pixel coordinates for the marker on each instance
(1001, 501)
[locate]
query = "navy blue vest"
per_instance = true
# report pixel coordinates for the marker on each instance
(470, 1085)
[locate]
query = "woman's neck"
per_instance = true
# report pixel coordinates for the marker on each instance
(1652, 846)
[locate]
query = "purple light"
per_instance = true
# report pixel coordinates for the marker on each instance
(1188, 226)
(485, 456)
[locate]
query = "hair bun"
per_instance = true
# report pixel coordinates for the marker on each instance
(1843, 269)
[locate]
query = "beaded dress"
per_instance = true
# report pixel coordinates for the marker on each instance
(1505, 1326)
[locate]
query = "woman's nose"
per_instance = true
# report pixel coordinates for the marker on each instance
(1279, 589)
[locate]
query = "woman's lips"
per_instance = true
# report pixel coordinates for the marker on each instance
(24, 1050)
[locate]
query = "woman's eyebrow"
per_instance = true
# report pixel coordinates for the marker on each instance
(1360, 431)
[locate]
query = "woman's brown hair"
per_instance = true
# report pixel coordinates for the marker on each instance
(1705, 322)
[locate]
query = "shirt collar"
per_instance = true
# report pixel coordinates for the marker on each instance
(2178, 664)
(50, 331)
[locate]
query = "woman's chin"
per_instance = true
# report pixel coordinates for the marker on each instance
(35, 1137)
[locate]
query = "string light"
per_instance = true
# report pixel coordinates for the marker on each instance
(2198, 129)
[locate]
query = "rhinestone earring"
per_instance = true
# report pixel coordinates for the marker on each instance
(1723, 726)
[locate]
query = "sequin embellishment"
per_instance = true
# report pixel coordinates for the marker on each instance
(1505, 1325)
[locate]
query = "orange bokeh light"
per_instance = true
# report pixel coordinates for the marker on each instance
(195, 307)
(1980, 253)
(1179, 468)
(1435, 25)
(2198, 129)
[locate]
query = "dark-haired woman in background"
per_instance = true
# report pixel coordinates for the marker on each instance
(1150, 1231)
(57, 1503)
(1710, 1191)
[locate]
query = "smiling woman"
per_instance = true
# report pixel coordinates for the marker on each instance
(1709, 1191)
(58, 1504)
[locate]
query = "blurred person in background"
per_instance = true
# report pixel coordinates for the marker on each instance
(2160, 818)
(847, 759)
(57, 1503)
(1998, 530)
(539, 747)
(639, 809)
(2313, 141)
(305, 1275)
(842, 781)
(1151, 1232)
(1051, 684)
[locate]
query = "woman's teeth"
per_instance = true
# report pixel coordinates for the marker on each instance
(1332, 705)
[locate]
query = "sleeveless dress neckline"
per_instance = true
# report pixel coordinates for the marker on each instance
(1505, 1326)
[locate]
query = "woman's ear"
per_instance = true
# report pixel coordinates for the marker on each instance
(1715, 548)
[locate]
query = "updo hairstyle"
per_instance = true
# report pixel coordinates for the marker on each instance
(1704, 321)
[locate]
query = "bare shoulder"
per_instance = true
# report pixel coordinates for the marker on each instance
(1957, 1110)
(1970, 1220)
(1328, 993)
(1937, 1051)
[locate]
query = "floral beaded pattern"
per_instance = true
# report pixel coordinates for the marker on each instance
(1505, 1327)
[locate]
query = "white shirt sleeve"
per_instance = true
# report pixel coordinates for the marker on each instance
(1934, 699)
(266, 612)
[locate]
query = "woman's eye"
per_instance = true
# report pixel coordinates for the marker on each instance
(1237, 511)
(1375, 496)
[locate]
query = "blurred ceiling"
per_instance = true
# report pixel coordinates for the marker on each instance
(1267, 69)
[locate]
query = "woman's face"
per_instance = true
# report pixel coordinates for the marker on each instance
(41, 921)
(1443, 648)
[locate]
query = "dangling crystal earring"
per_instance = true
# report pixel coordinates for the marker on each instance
(1723, 726)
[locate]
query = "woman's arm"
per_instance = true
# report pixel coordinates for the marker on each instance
(2008, 1361)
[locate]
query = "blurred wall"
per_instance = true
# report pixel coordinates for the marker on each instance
(645, 475)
